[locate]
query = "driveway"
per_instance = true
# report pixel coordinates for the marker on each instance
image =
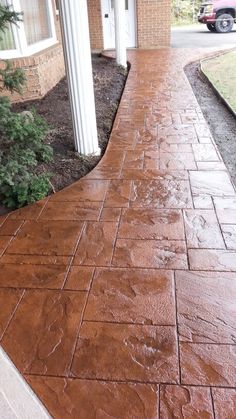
(198, 36)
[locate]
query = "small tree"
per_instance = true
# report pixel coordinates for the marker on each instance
(12, 80)
(185, 11)
(22, 145)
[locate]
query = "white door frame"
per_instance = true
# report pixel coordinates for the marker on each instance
(106, 42)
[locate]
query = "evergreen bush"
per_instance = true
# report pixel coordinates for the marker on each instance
(22, 146)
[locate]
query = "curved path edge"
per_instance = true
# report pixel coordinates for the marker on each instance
(117, 293)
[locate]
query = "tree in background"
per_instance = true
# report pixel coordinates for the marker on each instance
(22, 136)
(185, 11)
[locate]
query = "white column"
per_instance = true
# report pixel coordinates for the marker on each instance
(120, 28)
(76, 44)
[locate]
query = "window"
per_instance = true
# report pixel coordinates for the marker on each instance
(126, 4)
(7, 40)
(36, 32)
(36, 20)
(6, 37)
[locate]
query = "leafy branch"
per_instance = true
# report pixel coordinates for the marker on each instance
(22, 145)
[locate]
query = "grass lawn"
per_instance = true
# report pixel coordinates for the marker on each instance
(221, 71)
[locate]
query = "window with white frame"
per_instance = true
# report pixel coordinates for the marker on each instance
(34, 33)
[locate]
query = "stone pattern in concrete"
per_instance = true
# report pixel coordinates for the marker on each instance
(118, 292)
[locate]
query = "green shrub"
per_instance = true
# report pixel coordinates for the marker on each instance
(12, 79)
(22, 145)
(22, 148)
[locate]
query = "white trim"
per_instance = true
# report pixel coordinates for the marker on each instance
(10, 53)
(76, 45)
(136, 23)
(39, 46)
(17, 399)
(33, 49)
(22, 49)
(19, 30)
(119, 10)
(108, 26)
(104, 10)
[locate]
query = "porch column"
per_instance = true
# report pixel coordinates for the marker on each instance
(76, 45)
(120, 28)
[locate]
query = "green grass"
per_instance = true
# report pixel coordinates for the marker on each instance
(221, 71)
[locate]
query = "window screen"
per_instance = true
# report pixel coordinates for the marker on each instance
(126, 4)
(6, 36)
(36, 20)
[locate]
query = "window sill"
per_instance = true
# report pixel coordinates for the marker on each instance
(30, 51)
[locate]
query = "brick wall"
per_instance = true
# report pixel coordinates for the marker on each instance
(95, 24)
(153, 23)
(51, 68)
(43, 71)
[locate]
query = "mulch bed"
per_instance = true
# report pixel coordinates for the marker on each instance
(68, 166)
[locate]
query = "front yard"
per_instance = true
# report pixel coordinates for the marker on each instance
(221, 73)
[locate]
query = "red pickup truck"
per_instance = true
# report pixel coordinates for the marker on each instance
(218, 15)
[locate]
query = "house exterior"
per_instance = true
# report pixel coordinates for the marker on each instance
(35, 45)
(148, 23)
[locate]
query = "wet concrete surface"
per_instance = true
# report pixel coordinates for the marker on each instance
(117, 294)
(220, 120)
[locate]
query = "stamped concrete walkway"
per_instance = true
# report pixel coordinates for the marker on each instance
(118, 293)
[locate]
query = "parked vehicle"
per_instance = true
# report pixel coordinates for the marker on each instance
(218, 15)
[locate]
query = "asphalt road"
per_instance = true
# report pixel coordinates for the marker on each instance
(198, 36)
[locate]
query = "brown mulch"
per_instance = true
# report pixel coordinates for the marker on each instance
(67, 165)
